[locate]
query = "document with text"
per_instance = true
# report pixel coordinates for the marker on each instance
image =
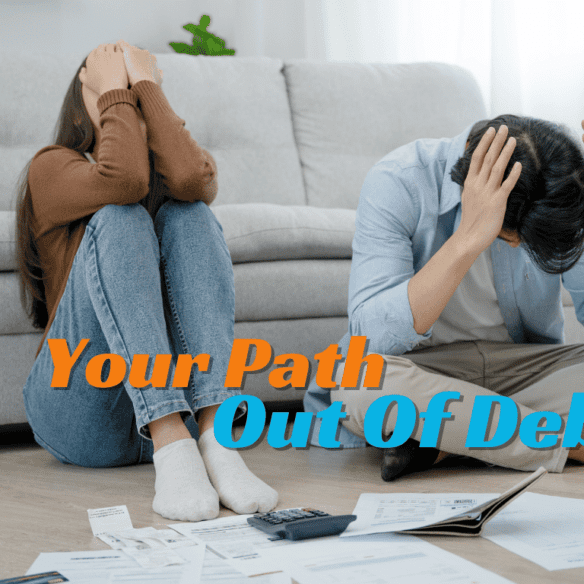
(407, 560)
(233, 539)
(427, 514)
(109, 567)
(549, 531)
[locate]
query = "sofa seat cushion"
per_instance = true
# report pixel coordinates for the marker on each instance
(291, 289)
(259, 231)
(13, 319)
(254, 232)
(263, 291)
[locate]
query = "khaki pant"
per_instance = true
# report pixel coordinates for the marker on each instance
(537, 377)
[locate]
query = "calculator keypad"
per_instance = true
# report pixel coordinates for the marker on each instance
(278, 517)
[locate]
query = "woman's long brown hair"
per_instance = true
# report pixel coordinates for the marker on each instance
(73, 130)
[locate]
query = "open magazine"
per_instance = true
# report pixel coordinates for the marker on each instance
(432, 514)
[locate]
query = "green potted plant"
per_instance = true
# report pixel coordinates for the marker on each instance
(204, 42)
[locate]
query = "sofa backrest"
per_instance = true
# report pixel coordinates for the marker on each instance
(294, 133)
(347, 116)
(237, 108)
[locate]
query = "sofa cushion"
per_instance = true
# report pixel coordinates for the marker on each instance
(291, 289)
(347, 116)
(13, 319)
(237, 108)
(7, 241)
(14, 161)
(256, 232)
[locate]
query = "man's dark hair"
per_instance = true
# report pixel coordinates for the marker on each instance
(546, 206)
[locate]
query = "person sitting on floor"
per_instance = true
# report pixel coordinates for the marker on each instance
(117, 245)
(460, 251)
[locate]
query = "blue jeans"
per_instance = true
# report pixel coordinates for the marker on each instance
(136, 287)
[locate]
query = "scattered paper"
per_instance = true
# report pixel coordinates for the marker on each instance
(439, 513)
(235, 540)
(403, 559)
(219, 571)
(153, 548)
(109, 519)
(546, 530)
(108, 567)
(393, 512)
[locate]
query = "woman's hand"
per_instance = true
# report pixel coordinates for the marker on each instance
(485, 194)
(140, 64)
(105, 69)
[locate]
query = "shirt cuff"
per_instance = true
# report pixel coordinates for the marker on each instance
(388, 322)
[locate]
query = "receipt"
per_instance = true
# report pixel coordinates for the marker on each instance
(109, 519)
(150, 547)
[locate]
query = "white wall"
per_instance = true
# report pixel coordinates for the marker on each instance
(273, 28)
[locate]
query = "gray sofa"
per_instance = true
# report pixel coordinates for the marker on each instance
(293, 142)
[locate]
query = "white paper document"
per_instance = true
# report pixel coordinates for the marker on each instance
(155, 548)
(110, 567)
(546, 530)
(463, 514)
(109, 519)
(235, 540)
(391, 512)
(218, 571)
(400, 560)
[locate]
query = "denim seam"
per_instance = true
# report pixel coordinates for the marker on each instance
(175, 316)
(170, 403)
(92, 266)
(225, 392)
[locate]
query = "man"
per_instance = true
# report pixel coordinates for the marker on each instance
(460, 250)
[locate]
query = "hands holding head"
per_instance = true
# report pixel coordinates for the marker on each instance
(485, 193)
(140, 64)
(114, 66)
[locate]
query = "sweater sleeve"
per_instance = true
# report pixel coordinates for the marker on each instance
(65, 187)
(189, 172)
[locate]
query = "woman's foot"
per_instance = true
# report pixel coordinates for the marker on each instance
(183, 490)
(239, 489)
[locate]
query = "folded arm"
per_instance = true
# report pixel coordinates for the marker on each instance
(65, 187)
(189, 172)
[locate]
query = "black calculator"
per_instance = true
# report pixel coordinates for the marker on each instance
(297, 524)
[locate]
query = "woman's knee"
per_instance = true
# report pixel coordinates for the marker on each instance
(182, 215)
(124, 221)
(122, 230)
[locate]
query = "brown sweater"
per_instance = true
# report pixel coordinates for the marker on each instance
(66, 189)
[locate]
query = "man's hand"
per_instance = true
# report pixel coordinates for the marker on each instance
(484, 196)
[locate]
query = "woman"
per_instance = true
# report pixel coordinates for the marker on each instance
(117, 245)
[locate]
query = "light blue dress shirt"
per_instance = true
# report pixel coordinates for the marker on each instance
(409, 206)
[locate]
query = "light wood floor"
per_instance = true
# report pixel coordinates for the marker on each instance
(43, 504)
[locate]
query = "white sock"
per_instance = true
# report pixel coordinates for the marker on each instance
(239, 489)
(183, 490)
